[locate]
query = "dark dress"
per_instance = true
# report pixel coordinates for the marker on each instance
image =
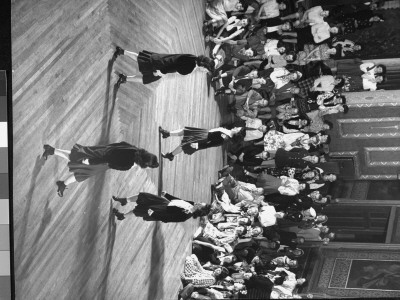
(203, 137)
(118, 156)
(283, 94)
(150, 62)
(292, 158)
(306, 105)
(286, 238)
(258, 287)
(304, 36)
(160, 209)
(249, 157)
(362, 18)
(281, 202)
(269, 183)
(203, 253)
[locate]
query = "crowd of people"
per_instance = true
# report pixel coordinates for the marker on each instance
(280, 71)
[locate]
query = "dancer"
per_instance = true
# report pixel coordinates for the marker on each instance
(195, 139)
(153, 65)
(165, 208)
(87, 161)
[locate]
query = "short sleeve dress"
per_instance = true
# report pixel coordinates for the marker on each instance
(150, 62)
(119, 156)
(202, 137)
(155, 208)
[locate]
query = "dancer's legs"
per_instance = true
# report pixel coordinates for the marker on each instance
(131, 54)
(178, 132)
(135, 78)
(70, 179)
(177, 150)
(132, 198)
(129, 213)
(62, 153)
(62, 185)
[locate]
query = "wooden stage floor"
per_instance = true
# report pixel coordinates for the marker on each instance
(63, 93)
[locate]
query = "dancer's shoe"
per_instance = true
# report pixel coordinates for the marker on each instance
(61, 187)
(121, 79)
(123, 201)
(48, 150)
(120, 216)
(165, 133)
(118, 51)
(168, 155)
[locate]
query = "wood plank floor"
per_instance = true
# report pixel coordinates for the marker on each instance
(63, 93)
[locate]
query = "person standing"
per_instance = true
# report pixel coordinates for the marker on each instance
(87, 161)
(165, 208)
(195, 139)
(153, 65)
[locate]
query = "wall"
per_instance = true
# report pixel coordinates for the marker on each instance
(342, 270)
(370, 134)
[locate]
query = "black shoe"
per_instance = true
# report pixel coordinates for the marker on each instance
(48, 150)
(121, 79)
(123, 201)
(120, 216)
(164, 133)
(169, 155)
(61, 188)
(118, 51)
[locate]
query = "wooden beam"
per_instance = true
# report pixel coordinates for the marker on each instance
(348, 201)
(391, 224)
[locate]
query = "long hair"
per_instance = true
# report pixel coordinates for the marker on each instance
(282, 44)
(279, 280)
(244, 233)
(301, 117)
(338, 54)
(206, 62)
(245, 82)
(341, 83)
(224, 273)
(202, 211)
(329, 123)
(244, 4)
(383, 69)
(293, 54)
(146, 159)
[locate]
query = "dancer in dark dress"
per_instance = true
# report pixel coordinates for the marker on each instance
(153, 65)
(195, 139)
(87, 161)
(165, 208)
